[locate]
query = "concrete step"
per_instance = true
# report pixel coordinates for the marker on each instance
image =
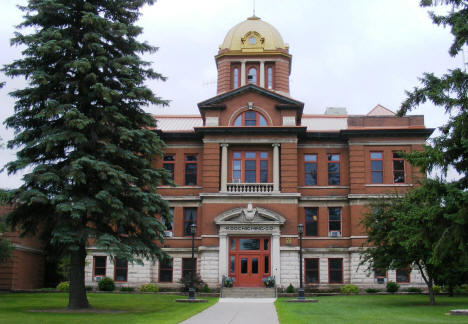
(248, 292)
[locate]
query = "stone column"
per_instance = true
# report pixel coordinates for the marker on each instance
(224, 170)
(276, 168)
(223, 256)
(262, 74)
(275, 258)
(242, 83)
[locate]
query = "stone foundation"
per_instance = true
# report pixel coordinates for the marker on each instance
(208, 268)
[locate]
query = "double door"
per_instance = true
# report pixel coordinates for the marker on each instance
(249, 260)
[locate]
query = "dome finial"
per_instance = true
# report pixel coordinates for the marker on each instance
(253, 8)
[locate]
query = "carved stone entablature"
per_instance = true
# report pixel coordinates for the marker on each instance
(249, 221)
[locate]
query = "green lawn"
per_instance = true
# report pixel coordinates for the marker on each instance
(145, 308)
(372, 309)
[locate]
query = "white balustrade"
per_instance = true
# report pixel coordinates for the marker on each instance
(250, 187)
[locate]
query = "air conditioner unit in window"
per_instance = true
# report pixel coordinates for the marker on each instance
(168, 234)
(381, 281)
(98, 278)
(334, 234)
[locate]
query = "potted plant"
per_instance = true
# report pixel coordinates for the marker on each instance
(228, 282)
(269, 282)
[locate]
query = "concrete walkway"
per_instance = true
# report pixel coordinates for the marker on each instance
(238, 311)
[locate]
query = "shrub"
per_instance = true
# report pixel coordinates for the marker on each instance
(269, 282)
(127, 288)
(436, 289)
(349, 289)
(392, 287)
(198, 283)
(372, 290)
(290, 289)
(106, 284)
(206, 289)
(149, 287)
(63, 286)
(228, 282)
(89, 288)
(414, 290)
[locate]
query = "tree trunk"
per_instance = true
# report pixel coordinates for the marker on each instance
(77, 296)
(431, 293)
(429, 282)
(450, 290)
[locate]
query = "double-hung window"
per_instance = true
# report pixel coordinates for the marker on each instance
(311, 271)
(169, 225)
(191, 169)
(269, 76)
(334, 221)
(398, 168)
(335, 270)
(190, 217)
(250, 167)
(188, 267)
(169, 164)
(403, 275)
(311, 221)
(376, 159)
(310, 169)
(333, 169)
(165, 270)
(100, 265)
(120, 269)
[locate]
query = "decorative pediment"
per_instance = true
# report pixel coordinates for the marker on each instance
(249, 215)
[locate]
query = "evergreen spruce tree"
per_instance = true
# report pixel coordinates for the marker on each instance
(82, 135)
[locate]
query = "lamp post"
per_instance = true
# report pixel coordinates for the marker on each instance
(193, 230)
(300, 291)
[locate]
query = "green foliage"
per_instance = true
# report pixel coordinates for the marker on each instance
(106, 284)
(5, 245)
(269, 282)
(349, 289)
(129, 289)
(89, 288)
(64, 267)
(206, 289)
(82, 136)
(392, 287)
(186, 281)
(290, 289)
(414, 290)
(447, 150)
(149, 287)
(436, 289)
(373, 290)
(229, 282)
(63, 286)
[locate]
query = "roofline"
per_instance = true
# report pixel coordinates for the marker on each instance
(251, 130)
(224, 96)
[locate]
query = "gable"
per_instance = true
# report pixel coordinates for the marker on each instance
(278, 110)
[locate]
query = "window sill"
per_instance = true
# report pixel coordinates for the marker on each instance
(180, 187)
(324, 187)
(389, 185)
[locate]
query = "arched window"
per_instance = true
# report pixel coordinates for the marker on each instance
(252, 76)
(270, 77)
(235, 78)
(250, 118)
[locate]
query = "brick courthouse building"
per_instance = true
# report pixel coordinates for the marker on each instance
(251, 166)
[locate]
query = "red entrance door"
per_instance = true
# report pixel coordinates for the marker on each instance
(250, 274)
(249, 260)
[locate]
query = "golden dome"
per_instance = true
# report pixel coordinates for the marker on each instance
(253, 35)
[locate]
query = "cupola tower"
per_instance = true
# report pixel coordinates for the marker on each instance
(254, 52)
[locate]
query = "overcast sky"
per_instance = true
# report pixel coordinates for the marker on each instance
(346, 53)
